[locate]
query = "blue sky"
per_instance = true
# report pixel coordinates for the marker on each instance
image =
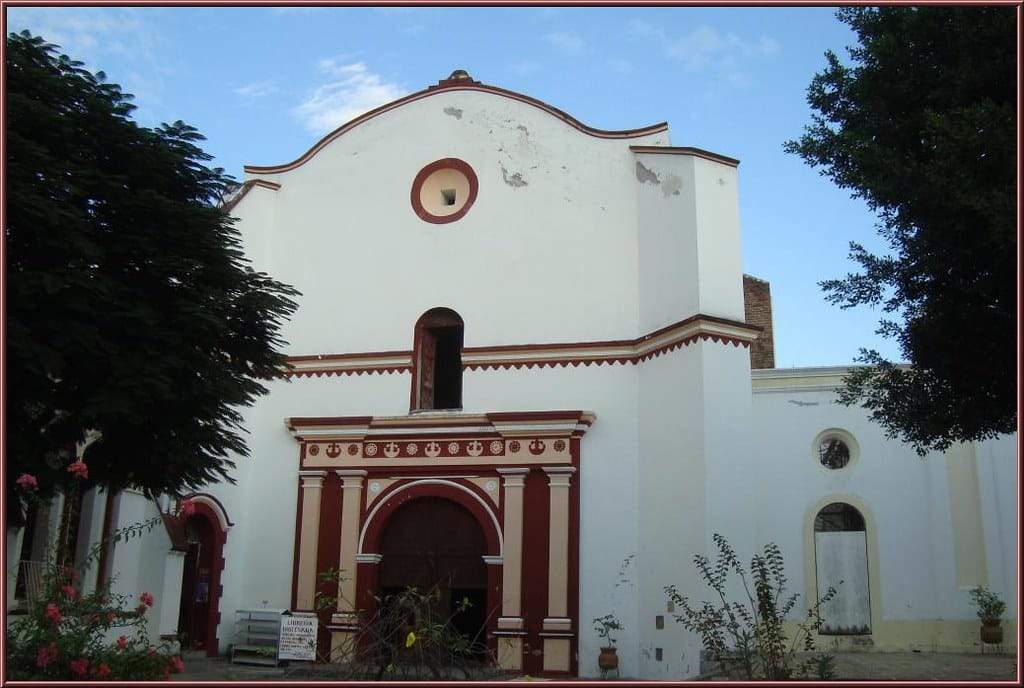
(263, 84)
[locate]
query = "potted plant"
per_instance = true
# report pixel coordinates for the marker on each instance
(990, 611)
(604, 626)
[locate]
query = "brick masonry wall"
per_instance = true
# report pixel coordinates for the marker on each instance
(757, 310)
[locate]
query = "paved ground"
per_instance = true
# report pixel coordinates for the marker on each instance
(925, 666)
(850, 666)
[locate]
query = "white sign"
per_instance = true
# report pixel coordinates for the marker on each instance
(298, 638)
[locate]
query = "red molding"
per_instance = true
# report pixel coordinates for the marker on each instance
(695, 152)
(548, 362)
(443, 164)
(246, 188)
(446, 86)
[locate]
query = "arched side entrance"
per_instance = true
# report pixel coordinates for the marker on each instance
(436, 546)
(841, 561)
(206, 531)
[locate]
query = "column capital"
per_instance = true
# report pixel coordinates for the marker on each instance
(559, 476)
(351, 479)
(513, 477)
(312, 480)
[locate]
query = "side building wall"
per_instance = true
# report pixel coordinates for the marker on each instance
(936, 526)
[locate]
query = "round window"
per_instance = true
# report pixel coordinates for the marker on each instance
(444, 191)
(833, 453)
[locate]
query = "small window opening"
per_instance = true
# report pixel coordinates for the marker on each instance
(833, 453)
(657, 654)
(448, 196)
(438, 352)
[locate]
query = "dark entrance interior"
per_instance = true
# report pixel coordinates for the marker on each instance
(439, 338)
(194, 613)
(434, 541)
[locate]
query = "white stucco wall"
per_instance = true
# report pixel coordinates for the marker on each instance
(906, 501)
(522, 266)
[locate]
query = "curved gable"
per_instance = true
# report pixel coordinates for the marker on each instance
(457, 81)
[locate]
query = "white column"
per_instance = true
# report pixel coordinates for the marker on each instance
(351, 503)
(510, 623)
(309, 534)
(558, 542)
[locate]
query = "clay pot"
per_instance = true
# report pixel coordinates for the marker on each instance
(991, 633)
(608, 659)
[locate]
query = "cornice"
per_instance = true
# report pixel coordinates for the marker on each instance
(622, 352)
(511, 424)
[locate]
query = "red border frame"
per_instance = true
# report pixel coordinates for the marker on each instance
(443, 164)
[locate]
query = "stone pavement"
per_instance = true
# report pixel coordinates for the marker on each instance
(849, 666)
(853, 666)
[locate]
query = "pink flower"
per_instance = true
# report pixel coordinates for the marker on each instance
(111, 617)
(102, 671)
(80, 666)
(53, 613)
(188, 507)
(79, 470)
(70, 592)
(177, 665)
(146, 599)
(27, 482)
(46, 655)
(122, 642)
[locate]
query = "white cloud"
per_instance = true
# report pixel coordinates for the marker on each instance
(566, 41)
(704, 48)
(101, 37)
(257, 89)
(351, 90)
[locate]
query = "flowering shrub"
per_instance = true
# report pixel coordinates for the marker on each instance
(78, 469)
(27, 482)
(63, 635)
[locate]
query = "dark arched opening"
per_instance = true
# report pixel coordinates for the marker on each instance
(432, 541)
(437, 360)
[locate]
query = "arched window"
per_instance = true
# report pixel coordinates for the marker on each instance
(437, 361)
(841, 561)
(838, 517)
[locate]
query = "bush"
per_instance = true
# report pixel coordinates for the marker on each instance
(989, 606)
(408, 637)
(748, 639)
(64, 634)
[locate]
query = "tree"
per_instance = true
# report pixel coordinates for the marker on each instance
(922, 127)
(132, 314)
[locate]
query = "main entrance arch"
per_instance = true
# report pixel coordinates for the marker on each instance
(514, 473)
(433, 542)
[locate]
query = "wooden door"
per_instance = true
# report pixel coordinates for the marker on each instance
(427, 368)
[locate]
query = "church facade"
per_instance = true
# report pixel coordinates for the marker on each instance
(527, 362)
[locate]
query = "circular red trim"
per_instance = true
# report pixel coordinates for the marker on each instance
(443, 164)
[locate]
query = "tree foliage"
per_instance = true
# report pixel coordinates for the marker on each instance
(132, 314)
(921, 125)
